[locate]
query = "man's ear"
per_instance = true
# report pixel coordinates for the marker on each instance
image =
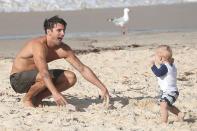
(48, 31)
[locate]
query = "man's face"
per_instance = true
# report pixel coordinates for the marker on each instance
(57, 33)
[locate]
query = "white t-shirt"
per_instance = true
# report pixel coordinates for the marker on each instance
(167, 82)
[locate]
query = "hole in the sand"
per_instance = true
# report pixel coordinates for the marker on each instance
(145, 103)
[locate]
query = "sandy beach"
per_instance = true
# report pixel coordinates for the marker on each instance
(121, 62)
(132, 86)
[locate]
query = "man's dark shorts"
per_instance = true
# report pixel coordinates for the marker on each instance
(21, 82)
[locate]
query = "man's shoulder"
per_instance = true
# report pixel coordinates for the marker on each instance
(64, 50)
(37, 40)
(65, 47)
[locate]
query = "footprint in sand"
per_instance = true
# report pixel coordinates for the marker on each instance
(145, 103)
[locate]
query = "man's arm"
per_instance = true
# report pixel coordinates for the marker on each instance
(39, 55)
(86, 72)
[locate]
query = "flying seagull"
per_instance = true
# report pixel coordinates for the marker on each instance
(121, 21)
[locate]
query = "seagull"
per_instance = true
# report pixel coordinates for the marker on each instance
(121, 21)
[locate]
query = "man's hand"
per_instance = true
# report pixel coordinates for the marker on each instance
(105, 96)
(59, 99)
(70, 107)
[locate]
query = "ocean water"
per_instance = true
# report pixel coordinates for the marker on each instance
(52, 5)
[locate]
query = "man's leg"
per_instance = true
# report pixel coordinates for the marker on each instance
(66, 80)
(35, 89)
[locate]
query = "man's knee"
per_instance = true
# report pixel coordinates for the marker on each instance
(71, 77)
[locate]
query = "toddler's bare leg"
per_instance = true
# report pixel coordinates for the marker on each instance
(164, 112)
(177, 112)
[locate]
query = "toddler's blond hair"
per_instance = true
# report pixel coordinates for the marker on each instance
(165, 52)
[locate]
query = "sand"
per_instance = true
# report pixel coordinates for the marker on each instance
(133, 88)
(120, 62)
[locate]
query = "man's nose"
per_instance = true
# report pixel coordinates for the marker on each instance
(62, 33)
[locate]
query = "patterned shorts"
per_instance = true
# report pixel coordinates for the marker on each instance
(169, 97)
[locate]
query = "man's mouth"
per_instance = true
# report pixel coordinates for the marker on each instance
(59, 38)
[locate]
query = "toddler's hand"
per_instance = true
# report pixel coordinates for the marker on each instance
(152, 61)
(158, 60)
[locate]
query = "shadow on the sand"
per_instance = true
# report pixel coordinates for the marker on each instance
(80, 104)
(84, 103)
(190, 120)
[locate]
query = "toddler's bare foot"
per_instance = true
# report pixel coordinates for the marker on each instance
(163, 124)
(181, 116)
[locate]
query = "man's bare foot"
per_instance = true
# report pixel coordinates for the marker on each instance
(28, 103)
(31, 102)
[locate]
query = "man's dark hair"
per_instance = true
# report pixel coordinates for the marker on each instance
(49, 23)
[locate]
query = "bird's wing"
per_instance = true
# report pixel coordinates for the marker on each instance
(118, 20)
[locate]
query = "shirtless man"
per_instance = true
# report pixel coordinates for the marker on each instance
(30, 73)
